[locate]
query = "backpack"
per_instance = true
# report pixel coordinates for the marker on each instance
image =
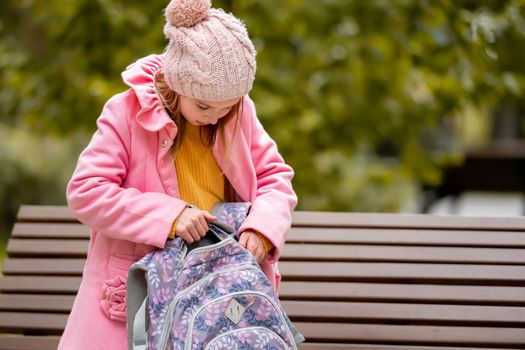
(211, 295)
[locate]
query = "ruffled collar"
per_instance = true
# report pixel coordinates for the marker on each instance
(140, 76)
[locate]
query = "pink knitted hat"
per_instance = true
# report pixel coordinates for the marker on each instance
(209, 55)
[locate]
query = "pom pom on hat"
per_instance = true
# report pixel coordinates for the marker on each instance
(187, 13)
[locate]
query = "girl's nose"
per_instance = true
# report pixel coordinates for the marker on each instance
(212, 119)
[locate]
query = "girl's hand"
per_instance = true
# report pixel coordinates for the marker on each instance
(192, 225)
(251, 241)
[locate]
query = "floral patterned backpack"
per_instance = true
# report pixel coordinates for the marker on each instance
(210, 296)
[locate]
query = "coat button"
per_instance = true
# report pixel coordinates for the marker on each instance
(164, 143)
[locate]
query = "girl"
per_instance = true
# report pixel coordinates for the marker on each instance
(184, 133)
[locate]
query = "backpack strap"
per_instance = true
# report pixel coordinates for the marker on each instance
(139, 328)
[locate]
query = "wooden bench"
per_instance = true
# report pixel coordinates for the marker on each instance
(351, 281)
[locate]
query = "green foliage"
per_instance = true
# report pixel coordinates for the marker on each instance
(62, 59)
(382, 81)
(364, 98)
(35, 170)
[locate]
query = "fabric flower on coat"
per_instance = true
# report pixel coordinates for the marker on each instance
(113, 299)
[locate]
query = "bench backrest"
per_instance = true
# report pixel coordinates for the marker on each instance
(350, 281)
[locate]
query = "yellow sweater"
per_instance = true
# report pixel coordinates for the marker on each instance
(201, 181)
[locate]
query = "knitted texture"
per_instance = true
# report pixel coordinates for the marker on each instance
(209, 55)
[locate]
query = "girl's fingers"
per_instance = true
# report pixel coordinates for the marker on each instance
(186, 237)
(208, 216)
(194, 233)
(198, 229)
(203, 226)
(255, 246)
(243, 240)
(257, 253)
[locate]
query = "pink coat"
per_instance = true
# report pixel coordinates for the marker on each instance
(125, 188)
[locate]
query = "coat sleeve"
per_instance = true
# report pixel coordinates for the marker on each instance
(95, 192)
(275, 199)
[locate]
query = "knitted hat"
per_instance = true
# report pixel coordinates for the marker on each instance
(209, 55)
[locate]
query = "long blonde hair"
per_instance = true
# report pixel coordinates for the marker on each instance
(208, 133)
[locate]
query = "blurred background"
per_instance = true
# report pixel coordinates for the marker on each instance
(379, 105)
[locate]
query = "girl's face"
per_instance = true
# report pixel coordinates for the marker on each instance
(202, 112)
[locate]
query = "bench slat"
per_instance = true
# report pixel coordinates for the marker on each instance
(45, 213)
(47, 247)
(43, 266)
(420, 221)
(40, 284)
(298, 290)
(336, 271)
(10, 321)
(317, 291)
(416, 236)
(31, 302)
(326, 311)
(50, 230)
(29, 342)
(331, 252)
(421, 313)
(333, 271)
(326, 219)
(321, 235)
(308, 252)
(412, 334)
(335, 346)
(13, 342)
(33, 322)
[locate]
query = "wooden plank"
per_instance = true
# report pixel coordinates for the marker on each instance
(50, 230)
(50, 266)
(31, 302)
(326, 311)
(415, 237)
(308, 252)
(458, 273)
(47, 248)
(420, 313)
(332, 252)
(28, 342)
(423, 221)
(492, 295)
(29, 213)
(40, 284)
(394, 237)
(347, 346)
(326, 271)
(50, 323)
(412, 334)
(47, 213)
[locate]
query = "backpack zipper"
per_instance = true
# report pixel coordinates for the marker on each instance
(279, 338)
(202, 249)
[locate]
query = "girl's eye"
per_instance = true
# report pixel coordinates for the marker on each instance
(203, 107)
